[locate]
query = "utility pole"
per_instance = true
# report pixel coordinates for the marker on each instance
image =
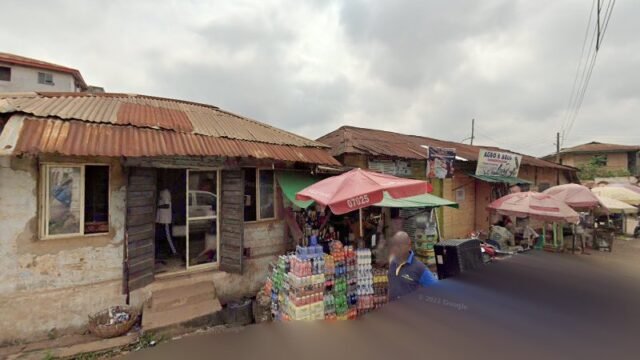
(598, 22)
(558, 161)
(473, 127)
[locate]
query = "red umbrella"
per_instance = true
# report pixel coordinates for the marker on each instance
(535, 205)
(359, 188)
(575, 195)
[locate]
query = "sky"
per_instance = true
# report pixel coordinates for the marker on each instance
(416, 67)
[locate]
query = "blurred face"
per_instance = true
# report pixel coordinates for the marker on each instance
(400, 247)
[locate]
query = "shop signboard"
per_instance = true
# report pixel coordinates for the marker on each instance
(498, 163)
(440, 162)
(392, 167)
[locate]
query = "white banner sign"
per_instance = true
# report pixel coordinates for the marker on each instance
(496, 163)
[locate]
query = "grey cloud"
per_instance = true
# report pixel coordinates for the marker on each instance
(422, 67)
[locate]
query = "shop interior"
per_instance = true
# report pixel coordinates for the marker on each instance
(186, 219)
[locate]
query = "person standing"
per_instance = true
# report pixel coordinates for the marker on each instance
(406, 273)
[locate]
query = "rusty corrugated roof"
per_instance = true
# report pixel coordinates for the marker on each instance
(70, 137)
(150, 112)
(354, 140)
(39, 64)
(595, 146)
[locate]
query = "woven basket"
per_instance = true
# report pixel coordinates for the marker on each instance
(99, 322)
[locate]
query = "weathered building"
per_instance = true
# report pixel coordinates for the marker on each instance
(406, 155)
(19, 73)
(613, 157)
(87, 184)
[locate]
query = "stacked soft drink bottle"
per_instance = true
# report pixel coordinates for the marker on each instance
(339, 290)
(365, 281)
(380, 287)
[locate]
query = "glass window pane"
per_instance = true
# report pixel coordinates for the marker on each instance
(267, 207)
(250, 194)
(96, 199)
(203, 242)
(203, 199)
(64, 200)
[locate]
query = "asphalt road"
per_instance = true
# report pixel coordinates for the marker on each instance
(531, 306)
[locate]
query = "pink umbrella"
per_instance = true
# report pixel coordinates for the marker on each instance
(535, 205)
(634, 188)
(575, 195)
(359, 188)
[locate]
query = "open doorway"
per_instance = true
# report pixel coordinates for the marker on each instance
(171, 219)
(186, 219)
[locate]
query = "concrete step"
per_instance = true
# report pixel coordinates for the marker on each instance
(164, 298)
(177, 302)
(155, 320)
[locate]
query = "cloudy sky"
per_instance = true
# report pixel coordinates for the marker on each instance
(417, 67)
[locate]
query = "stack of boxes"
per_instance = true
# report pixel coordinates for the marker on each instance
(364, 290)
(305, 284)
(311, 285)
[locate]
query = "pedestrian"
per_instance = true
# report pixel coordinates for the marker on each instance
(406, 273)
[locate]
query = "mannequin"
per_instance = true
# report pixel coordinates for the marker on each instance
(164, 215)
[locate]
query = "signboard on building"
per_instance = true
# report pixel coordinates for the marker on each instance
(440, 162)
(497, 163)
(391, 167)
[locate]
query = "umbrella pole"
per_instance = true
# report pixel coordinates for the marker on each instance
(361, 227)
(573, 246)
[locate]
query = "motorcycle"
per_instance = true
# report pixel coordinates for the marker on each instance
(488, 251)
(636, 231)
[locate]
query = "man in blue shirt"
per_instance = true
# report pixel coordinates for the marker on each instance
(406, 273)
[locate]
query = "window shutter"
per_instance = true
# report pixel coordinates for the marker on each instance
(140, 225)
(232, 221)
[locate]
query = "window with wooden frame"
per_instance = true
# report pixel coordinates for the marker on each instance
(259, 194)
(74, 200)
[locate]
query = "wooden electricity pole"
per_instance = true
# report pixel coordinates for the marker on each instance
(558, 161)
(473, 127)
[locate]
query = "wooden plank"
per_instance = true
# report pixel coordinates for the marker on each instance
(142, 250)
(139, 210)
(143, 219)
(143, 187)
(141, 180)
(133, 230)
(140, 225)
(140, 201)
(141, 264)
(141, 280)
(232, 221)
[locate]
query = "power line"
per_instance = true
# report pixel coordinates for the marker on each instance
(588, 70)
(575, 78)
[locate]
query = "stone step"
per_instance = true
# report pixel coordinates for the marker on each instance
(159, 319)
(164, 298)
(176, 302)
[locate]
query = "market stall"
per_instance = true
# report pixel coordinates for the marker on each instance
(538, 206)
(581, 199)
(332, 274)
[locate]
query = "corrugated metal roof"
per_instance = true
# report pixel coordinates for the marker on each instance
(354, 140)
(151, 112)
(46, 135)
(39, 64)
(595, 146)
